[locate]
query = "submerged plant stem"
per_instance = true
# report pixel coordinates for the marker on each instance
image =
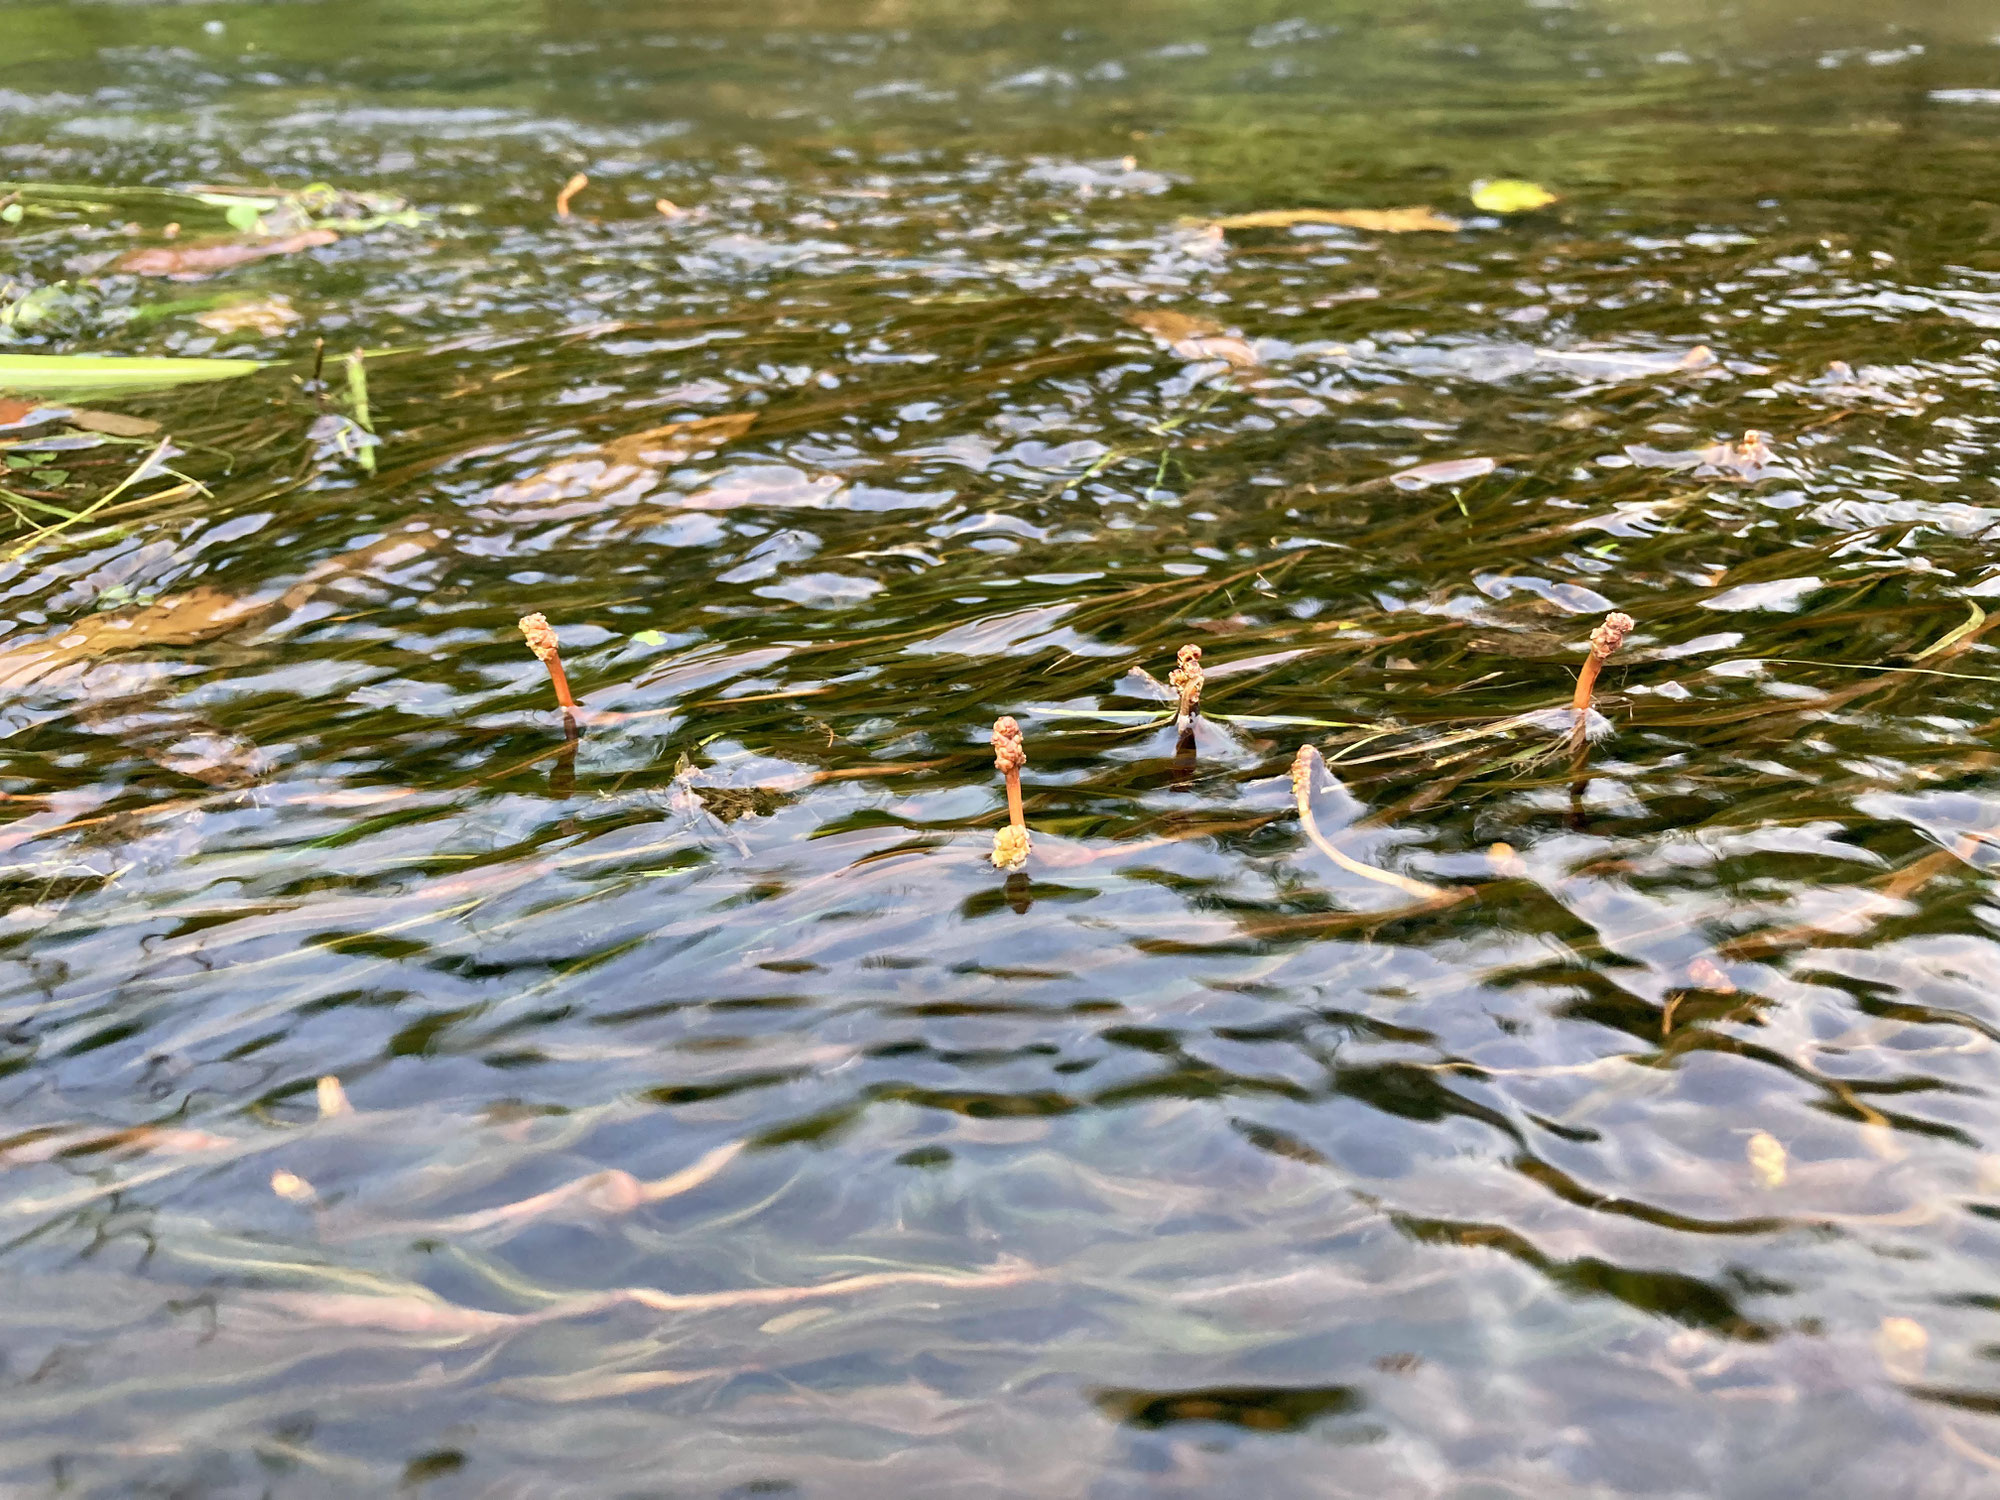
(1304, 766)
(357, 396)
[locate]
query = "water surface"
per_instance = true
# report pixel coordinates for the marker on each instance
(723, 1123)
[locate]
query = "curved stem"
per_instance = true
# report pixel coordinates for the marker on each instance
(1303, 767)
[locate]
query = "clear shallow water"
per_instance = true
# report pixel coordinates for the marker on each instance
(723, 1123)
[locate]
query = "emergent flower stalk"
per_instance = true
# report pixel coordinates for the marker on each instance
(542, 641)
(1010, 844)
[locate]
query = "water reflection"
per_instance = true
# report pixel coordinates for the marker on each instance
(719, 1118)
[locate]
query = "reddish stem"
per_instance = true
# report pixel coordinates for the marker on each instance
(542, 641)
(1604, 640)
(560, 680)
(1009, 755)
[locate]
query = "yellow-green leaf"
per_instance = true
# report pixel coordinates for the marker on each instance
(49, 374)
(1510, 195)
(1953, 637)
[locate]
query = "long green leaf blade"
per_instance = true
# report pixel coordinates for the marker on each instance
(50, 374)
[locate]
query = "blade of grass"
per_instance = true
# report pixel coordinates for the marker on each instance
(48, 373)
(357, 396)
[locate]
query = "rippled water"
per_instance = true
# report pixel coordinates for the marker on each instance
(722, 1122)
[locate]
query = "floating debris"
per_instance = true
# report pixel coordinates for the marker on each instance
(1446, 471)
(1747, 459)
(570, 189)
(1370, 220)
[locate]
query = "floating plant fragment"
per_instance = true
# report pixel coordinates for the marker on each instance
(1747, 459)
(1618, 364)
(1446, 471)
(570, 189)
(248, 210)
(1369, 220)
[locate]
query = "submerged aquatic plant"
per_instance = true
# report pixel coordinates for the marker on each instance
(1010, 844)
(542, 641)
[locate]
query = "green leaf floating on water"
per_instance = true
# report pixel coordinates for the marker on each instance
(50, 374)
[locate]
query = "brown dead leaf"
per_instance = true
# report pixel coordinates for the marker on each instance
(12, 412)
(1368, 220)
(1195, 338)
(112, 423)
(207, 257)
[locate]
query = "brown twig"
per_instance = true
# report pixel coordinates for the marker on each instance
(570, 189)
(1305, 765)
(1604, 640)
(542, 641)
(1010, 844)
